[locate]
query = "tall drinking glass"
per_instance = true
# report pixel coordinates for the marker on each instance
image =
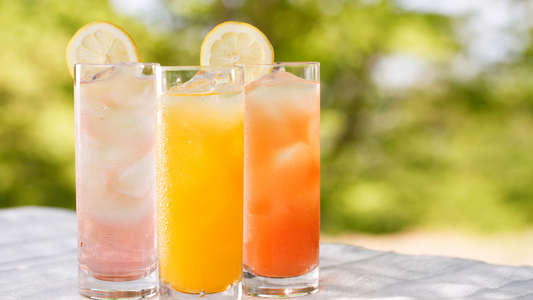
(200, 158)
(115, 180)
(282, 180)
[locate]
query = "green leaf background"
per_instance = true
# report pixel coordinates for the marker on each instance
(449, 152)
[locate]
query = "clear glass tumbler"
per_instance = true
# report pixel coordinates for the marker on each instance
(199, 163)
(115, 180)
(282, 179)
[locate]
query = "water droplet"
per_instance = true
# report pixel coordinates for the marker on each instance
(101, 117)
(202, 293)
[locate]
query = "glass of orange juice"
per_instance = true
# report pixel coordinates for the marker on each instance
(199, 174)
(282, 179)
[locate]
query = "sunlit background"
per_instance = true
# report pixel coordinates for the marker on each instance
(427, 108)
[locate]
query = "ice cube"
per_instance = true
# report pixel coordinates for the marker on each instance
(226, 88)
(297, 171)
(289, 92)
(202, 82)
(122, 90)
(279, 76)
(205, 82)
(138, 179)
(111, 124)
(139, 71)
(115, 155)
(135, 95)
(96, 197)
(293, 154)
(95, 73)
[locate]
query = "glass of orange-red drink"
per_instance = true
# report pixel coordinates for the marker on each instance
(281, 179)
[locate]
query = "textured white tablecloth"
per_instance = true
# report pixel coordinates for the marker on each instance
(38, 261)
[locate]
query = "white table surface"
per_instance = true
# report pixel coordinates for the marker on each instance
(38, 260)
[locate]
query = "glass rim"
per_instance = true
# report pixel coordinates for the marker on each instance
(132, 64)
(194, 68)
(285, 64)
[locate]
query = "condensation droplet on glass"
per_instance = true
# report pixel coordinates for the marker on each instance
(202, 293)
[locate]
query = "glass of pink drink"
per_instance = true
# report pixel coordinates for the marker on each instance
(115, 180)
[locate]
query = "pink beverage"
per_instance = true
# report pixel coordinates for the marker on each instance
(115, 177)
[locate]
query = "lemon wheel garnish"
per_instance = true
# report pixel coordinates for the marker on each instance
(101, 42)
(232, 43)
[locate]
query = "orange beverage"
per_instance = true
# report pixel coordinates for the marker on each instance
(282, 175)
(200, 157)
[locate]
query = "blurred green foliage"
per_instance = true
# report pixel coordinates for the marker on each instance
(446, 153)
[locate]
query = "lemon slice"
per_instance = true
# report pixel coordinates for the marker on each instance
(101, 42)
(232, 43)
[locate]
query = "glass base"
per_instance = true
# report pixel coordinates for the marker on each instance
(275, 287)
(166, 292)
(93, 288)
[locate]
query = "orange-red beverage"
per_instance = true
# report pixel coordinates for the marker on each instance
(282, 176)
